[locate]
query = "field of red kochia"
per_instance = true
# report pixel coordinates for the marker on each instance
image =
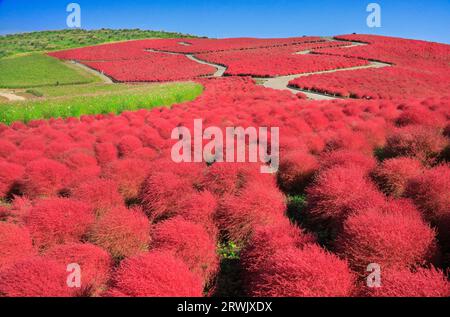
(373, 178)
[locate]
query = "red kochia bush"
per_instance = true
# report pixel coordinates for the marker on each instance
(190, 242)
(9, 174)
(430, 192)
(127, 144)
(266, 240)
(156, 274)
(393, 175)
(404, 283)
(129, 174)
(122, 232)
(95, 264)
(105, 152)
(393, 237)
(200, 208)
(422, 143)
(15, 244)
(58, 221)
(163, 193)
(307, 272)
(101, 194)
(296, 170)
(35, 277)
(45, 177)
(346, 158)
(256, 204)
(339, 192)
(7, 148)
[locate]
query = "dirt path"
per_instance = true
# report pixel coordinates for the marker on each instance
(282, 82)
(11, 96)
(102, 76)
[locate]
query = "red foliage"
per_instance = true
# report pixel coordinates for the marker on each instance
(296, 170)
(422, 143)
(58, 221)
(10, 174)
(339, 192)
(163, 193)
(35, 277)
(404, 283)
(15, 244)
(105, 152)
(95, 264)
(122, 232)
(267, 240)
(127, 144)
(45, 177)
(430, 193)
(7, 148)
(129, 174)
(307, 272)
(256, 204)
(347, 159)
(395, 236)
(156, 274)
(190, 242)
(102, 194)
(393, 175)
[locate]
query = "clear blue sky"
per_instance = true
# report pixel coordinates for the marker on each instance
(419, 19)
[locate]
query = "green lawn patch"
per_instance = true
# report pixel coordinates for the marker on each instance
(110, 101)
(37, 70)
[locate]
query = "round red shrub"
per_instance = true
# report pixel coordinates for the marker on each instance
(256, 204)
(45, 177)
(190, 242)
(395, 236)
(7, 148)
(23, 157)
(422, 143)
(163, 194)
(430, 192)
(296, 170)
(348, 159)
(404, 283)
(339, 192)
(266, 240)
(59, 220)
(105, 152)
(129, 174)
(307, 272)
(15, 244)
(35, 277)
(101, 194)
(127, 144)
(393, 175)
(123, 232)
(200, 208)
(156, 274)
(10, 174)
(95, 264)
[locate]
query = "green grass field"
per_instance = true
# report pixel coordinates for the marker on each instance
(97, 99)
(36, 70)
(63, 39)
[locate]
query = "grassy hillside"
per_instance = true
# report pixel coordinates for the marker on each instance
(58, 40)
(36, 70)
(98, 99)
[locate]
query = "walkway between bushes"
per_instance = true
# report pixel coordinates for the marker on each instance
(11, 96)
(282, 82)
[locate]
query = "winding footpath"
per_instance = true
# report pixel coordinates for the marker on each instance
(282, 82)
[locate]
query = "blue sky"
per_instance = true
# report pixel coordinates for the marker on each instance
(419, 19)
